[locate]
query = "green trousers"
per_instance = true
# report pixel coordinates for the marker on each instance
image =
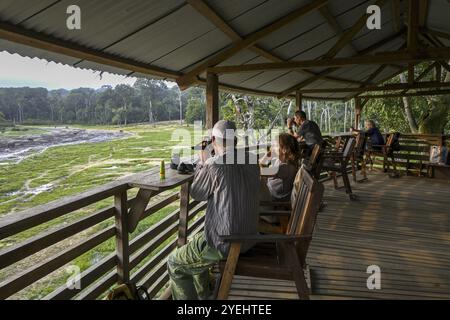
(189, 269)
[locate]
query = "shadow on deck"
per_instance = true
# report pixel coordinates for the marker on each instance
(400, 225)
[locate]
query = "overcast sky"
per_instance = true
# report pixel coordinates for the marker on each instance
(17, 71)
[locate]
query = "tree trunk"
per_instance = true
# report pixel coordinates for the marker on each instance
(150, 112)
(434, 120)
(407, 109)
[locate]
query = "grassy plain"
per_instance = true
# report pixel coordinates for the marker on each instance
(68, 170)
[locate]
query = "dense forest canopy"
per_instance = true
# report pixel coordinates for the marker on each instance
(149, 101)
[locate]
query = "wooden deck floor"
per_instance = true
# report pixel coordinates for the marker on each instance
(401, 225)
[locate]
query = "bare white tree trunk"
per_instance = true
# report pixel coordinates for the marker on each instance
(345, 117)
(407, 108)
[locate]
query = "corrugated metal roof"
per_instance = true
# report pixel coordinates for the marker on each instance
(171, 34)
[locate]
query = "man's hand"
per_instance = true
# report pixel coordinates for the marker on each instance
(203, 155)
(289, 122)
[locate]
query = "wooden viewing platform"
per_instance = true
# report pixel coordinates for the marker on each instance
(402, 225)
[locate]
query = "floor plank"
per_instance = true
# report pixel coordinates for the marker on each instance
(401, 225)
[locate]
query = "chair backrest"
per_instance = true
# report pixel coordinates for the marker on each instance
(360, 144)
(349, 148)
(309, 193)
(316, 161)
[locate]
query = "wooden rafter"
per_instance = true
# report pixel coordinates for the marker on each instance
(37, 40)
(395, 8)
(206, 11)
(379, 82)
(331, 20)
(413, 33)
(330, 70)
(349, 34)
(345, 39)
(187, 79)
(425, 54)
(411, 94)
(423, 13)
(388, 87)
(375, 74)
(413, 25)
(437, 33)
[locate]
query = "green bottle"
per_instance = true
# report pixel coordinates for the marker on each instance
(162, 171)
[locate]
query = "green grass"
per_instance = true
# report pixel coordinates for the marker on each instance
(74, 169)
(21, 131)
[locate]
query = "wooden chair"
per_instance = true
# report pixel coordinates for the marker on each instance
(386, 151)
(313, 165)
(337, 162)
(357, 160)
(277, 256)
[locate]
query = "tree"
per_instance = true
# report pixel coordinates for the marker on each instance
(195, 111)
(427, 114)
(124, 95)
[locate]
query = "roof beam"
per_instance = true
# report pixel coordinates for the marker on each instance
(395, 8)
(349, 34)
(424, 74)
(375, 74)
(411, 94)
(325, 12)
(206, 11)
(423, 13)
(346, 38)
(424, 54)
(388, 87)
(38, 40)
(436, 33)
(413, 25)
(187, 79)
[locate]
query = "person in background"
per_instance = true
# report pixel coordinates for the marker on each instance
(376, 139)
(232, 208)
(306, 131)
(285, 156)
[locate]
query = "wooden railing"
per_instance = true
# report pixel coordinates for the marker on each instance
(141, 260)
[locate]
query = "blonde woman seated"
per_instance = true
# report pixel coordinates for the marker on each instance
(285, 155)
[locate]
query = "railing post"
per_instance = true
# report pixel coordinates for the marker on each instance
(122, 240)
(184, 213)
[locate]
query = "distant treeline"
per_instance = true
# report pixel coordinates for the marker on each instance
(145, 101)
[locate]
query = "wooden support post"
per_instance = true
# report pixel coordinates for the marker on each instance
(122, 241)
(212, 99)
(438, 72)
(358, 111)
(413, 25)
(298, 101)
(410, 73)
(184, 214)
